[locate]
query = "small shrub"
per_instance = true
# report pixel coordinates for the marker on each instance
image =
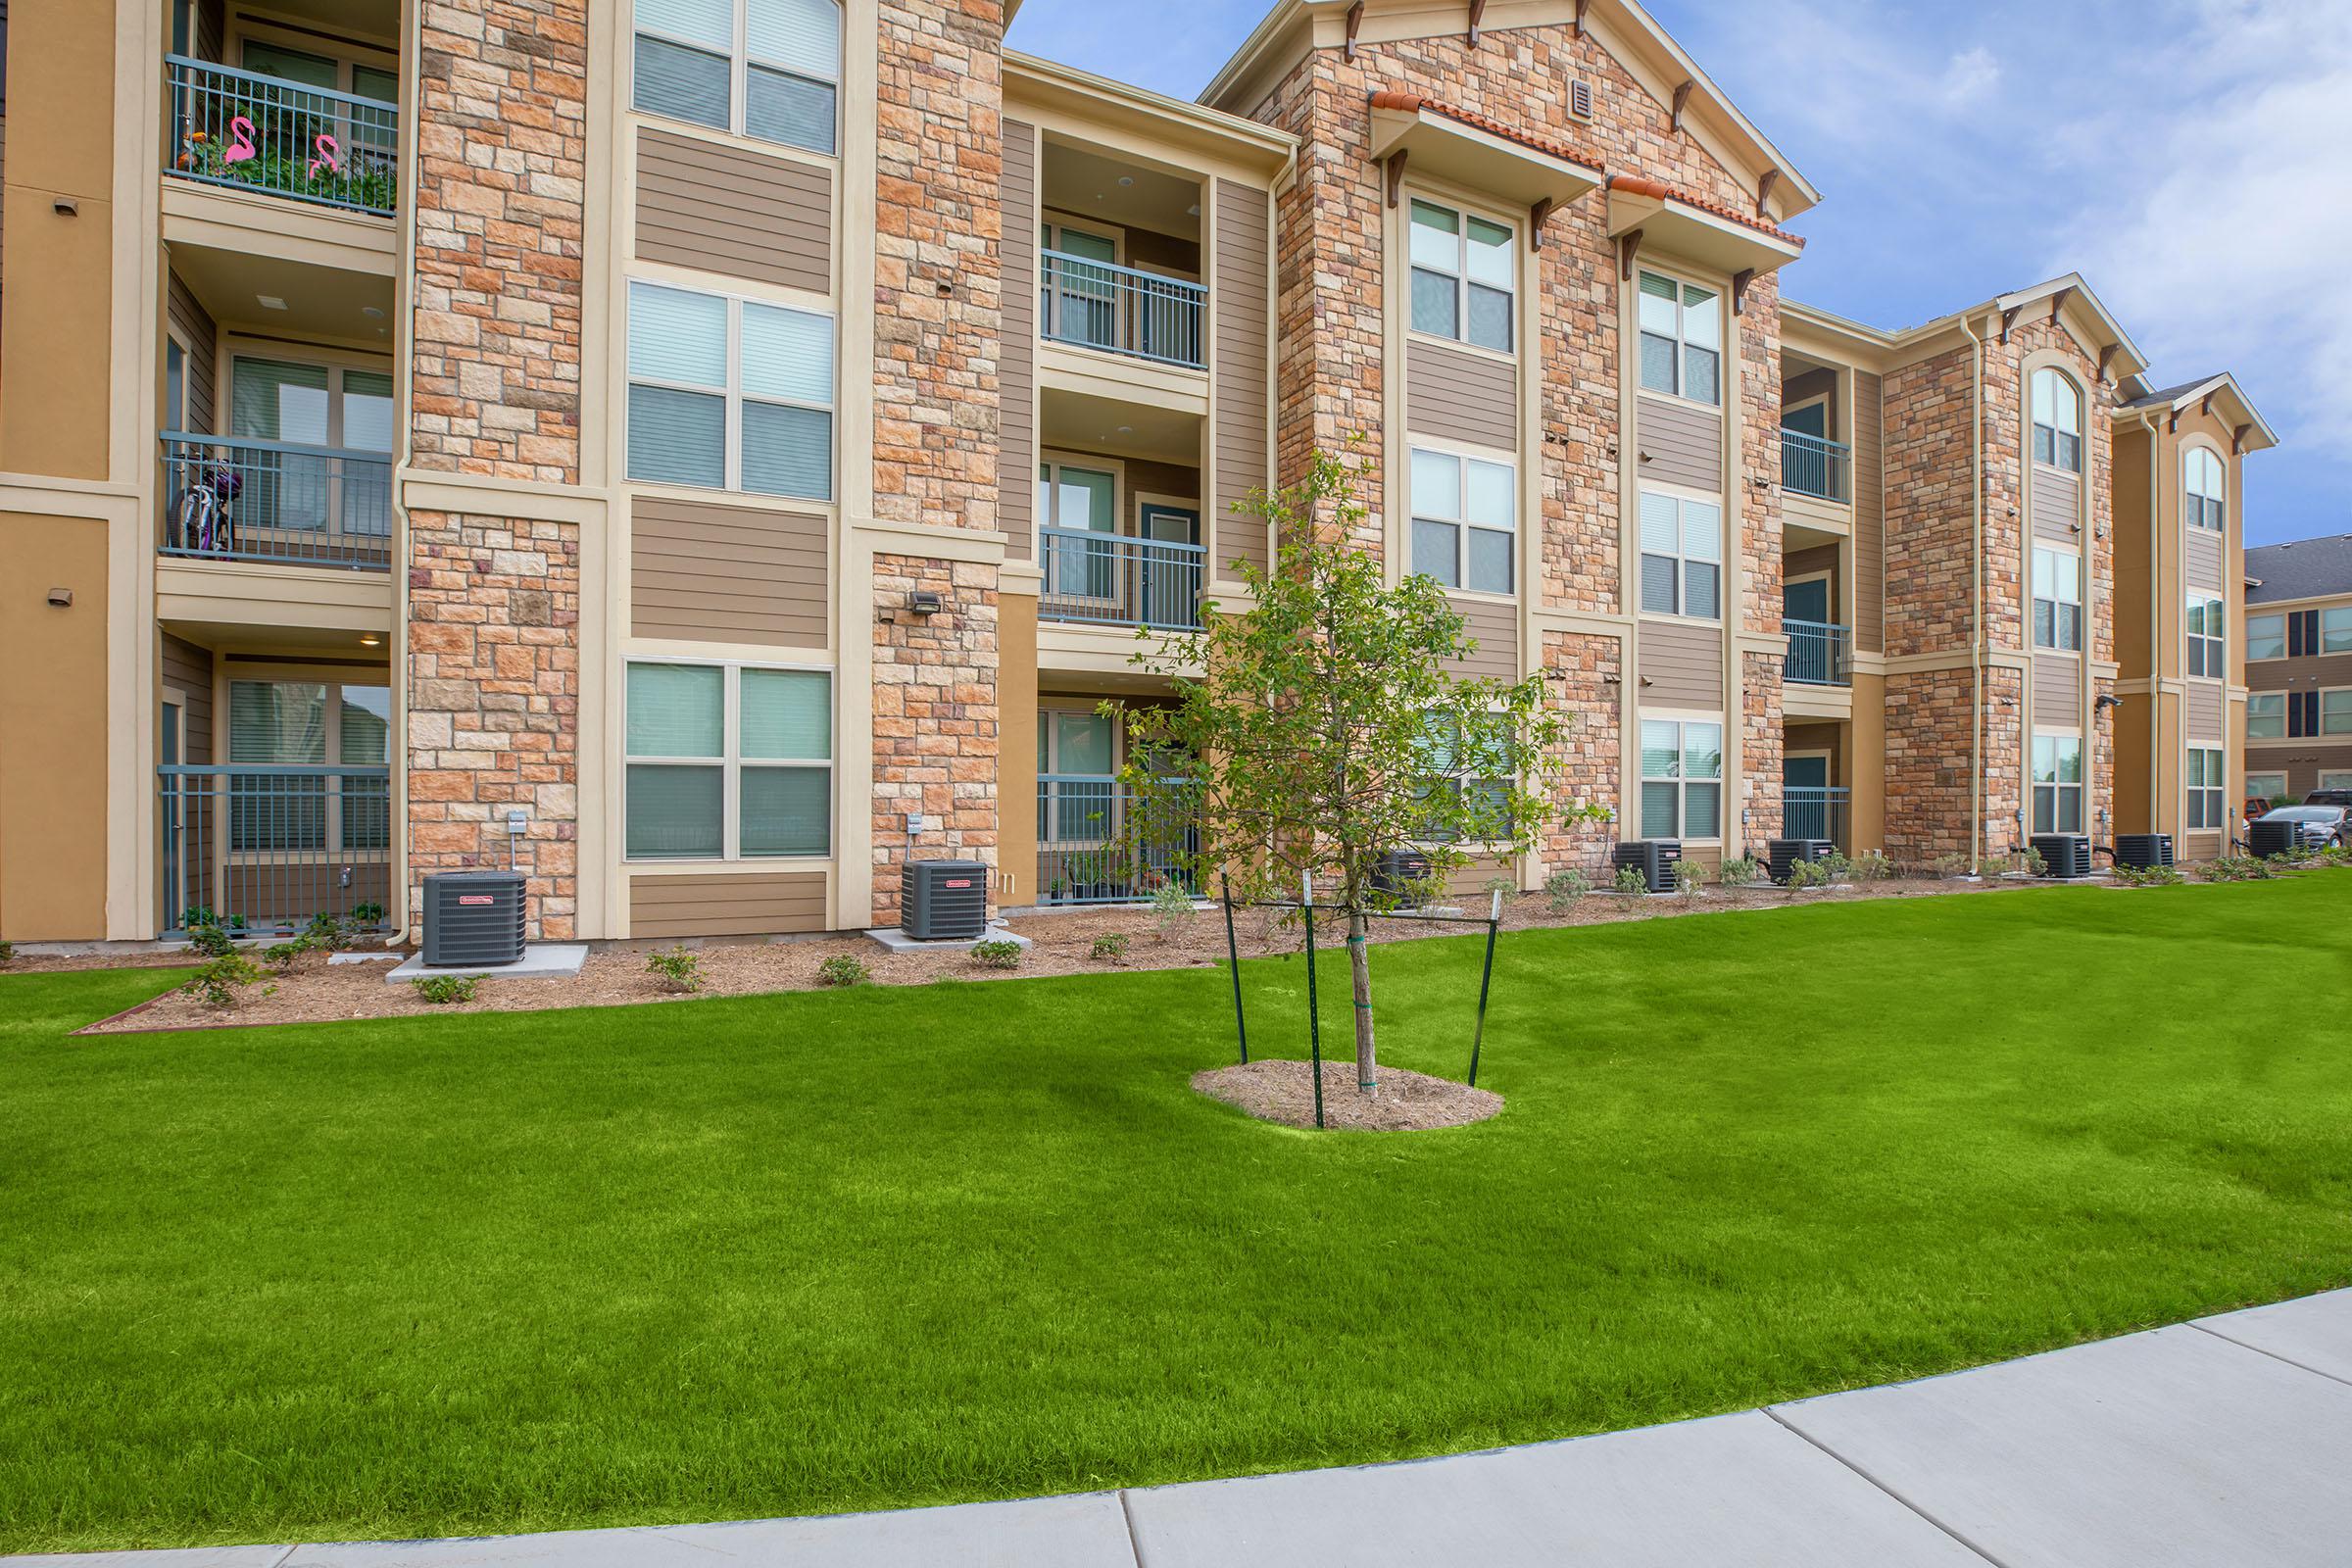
(842, 970)
(1110, 947)
(2241, 868)
(223, 979)
(1871, 865)
(8, 953)
(998, 954)
(441, 990)
(1953, 864)
(1690, 879)
(679, 969)
(1631, 880)
(212, 941)
(2147, 876)
(1562, 889)
(2031, 860)
(1738, 873)
(1419, 893)
(2332, 854)
(331, 932)
(283, 954)
(367, 914)
(1803, 874)
(1172, 911)
(1839, 865)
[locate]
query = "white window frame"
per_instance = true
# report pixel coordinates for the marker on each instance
(1682, 309)
(2335, 710)
(1459, 521)
(739, 64)
(1682, 555)
(2057, 600)
(2058, 432)
(2253, 625)
(2335, 630)
(1460, 273)
(735, 395)
(2255, 792)
(2205, 652)
(1683, 723)
(732, 761)
(2266, 702)
(2205, 777)
(2335, 780)
(2056, 788)
(2200, 465)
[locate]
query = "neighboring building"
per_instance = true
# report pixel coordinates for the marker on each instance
(711, 451)
(2298, 670)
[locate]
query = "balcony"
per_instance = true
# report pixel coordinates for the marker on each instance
(1118, 310)
(1813, 467)
(276, 503)
(264, 849)
(239, 130)
(1819, 653)
(1104, 580)
(1091, 848)
(1812, 811)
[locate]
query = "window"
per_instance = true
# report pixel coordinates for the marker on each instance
(2206, 655)
(1681, 779)
(2208, 779)
(2201, 489)
(2267, 786)
(2265, 637)
(2058, 600)
(1682, 555)
(2302, 713)
(1681, 340)
(1464, 512)
(302, 724)
(1489, 797)
(1466, 269)
(2057, 783)
(2335, 712)
(728, 761)
(2266, 717)
(2335, 630)
(2336, 781)
(309, 404)
(2057, 421)
(766, 69)
(729, 394)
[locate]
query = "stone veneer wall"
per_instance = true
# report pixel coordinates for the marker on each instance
(1586, 671)
(938, 309)
(492, 694)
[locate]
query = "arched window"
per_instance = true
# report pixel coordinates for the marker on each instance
(2201, 488)
(2057, 421)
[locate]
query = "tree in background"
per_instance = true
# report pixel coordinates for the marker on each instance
(1325, 731)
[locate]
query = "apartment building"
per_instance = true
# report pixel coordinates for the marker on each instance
(706, 453)
(2299, 668)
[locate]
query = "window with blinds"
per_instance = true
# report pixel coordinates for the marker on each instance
(727, 763)
(302, 724)
(765, 69)
(729, 394)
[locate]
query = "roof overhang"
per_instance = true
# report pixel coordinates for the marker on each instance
(2220, 396)
(1436, 143)
(1676, 226)
(1178, 128)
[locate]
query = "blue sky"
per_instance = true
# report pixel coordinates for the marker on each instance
(2187, 157)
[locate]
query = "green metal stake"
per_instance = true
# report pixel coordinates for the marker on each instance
(1233, 954)
(1486, 979)
(1314, 1018)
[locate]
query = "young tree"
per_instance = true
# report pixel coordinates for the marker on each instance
(1325, 731)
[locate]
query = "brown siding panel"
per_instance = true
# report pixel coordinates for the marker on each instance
(1016, 366)
(2057, 504)
(1680, 445)
(2206, 712)
(196, 326)
(1681, 667)
(705, 573)
(717, 210)
(2203, 560)
(2057, 691)
(1870, 518)
(1495, 627)
(1239, 304)
(2297, 674)
(746, 904)
(1457, 396)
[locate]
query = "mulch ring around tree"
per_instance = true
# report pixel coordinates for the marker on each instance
(1406, 1102)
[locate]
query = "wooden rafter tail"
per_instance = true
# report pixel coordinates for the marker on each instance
(1478, 14)
(1355, 20)
(1764, 189)
(1628, 246)
(1396, 176)
(2058, 302)
(1681, 96)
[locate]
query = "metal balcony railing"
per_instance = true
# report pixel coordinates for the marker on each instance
(1819, 653)
(1812, 466)
(1120, 311)
(1110, 579)
(224, 126)
(1094, 848)
(1812, 811)
(277, 501)
(264, 849)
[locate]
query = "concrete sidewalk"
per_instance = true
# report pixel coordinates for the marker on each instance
(2223, 1442)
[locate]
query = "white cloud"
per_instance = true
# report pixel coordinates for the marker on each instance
(1970, 76)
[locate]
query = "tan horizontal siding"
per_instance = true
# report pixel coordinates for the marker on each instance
(2203, 561)
(1239, 305)
(2057, 691)
(2057, 504)
(705, 573)
(720, 209)
(1681, 667)
(1870, 517)
(1016, 366)
(1457, 396)
(2199, 847)
(744, 904)
(1495, 627)
(1678, 445)
(2207, 712)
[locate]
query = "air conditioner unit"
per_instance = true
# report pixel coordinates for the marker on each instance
(1782, 853)
(2267, 839)
(473, 919)
(2140, 850)
(1654, 858)
(1397, 868)
(944, 900)
(2066, 855)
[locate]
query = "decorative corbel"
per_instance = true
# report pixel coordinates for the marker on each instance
(1764, 187)
(2206, 407)
(2058, 302)
(1681, 96)
(1536, 216)
(2106, 354)
(2009, 320)
(2171, 427)
(1478, 12)
(1740, 282)
(1355, 20)
(1628, 246)
(1396, 176)
(2237, 440)
(1581, 5)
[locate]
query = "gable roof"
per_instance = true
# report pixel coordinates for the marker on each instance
(2238, 409)
(2090, 321)
(2308, 569)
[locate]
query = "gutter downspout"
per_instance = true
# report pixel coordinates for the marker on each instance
(2156, 635)
(1979, 718)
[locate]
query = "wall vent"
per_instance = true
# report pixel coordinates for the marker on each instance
(944, 900)
(472, 919)
(1580, 99)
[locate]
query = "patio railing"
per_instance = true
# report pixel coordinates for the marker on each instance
(1118, 310)
(1819, 653)
(1812, 466)
(277, 501)
(1812, 811)
(237, 129)
(1094, 848)
(1112, 581)
(264, 849)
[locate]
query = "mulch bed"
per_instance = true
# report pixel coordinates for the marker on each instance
(1404, 1102)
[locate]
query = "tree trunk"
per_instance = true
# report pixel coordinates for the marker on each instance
(1359, 974)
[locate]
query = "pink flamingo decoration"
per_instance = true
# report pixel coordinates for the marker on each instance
(327, 150)
(240, 140)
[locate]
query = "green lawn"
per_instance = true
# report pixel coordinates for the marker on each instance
(831, 1251)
